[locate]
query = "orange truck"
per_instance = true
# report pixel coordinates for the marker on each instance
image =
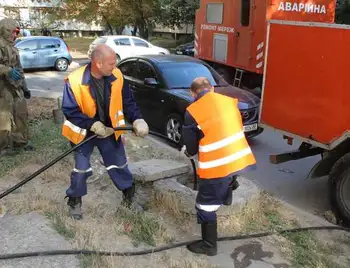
(299, 57)
(306, 93)
(231, 35)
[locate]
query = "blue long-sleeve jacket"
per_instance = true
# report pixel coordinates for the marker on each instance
(72, 112)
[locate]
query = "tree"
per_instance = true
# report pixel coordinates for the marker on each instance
(178, 12)
(342, 14)
(114, 14)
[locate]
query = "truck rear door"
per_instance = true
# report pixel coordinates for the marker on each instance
(306, 88)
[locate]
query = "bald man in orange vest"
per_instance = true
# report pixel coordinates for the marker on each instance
(213, 129)
(97, 99)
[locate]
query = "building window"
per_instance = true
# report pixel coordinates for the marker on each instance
(245, 12)
(215, 13)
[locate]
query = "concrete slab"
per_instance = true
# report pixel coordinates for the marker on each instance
(187, 196)
(28, 233)
(156, 169)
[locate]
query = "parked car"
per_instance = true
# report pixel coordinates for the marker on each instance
(160, 85)
(185, 49)
(43, 52)
(127, 46)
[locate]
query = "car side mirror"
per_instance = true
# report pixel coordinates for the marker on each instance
(150, 82)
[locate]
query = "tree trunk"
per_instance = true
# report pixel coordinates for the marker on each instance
(110, 28)
(134, 31)
(143, 30)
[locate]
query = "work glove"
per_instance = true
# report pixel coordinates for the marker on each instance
(27, 94)
(101, 130)
(15, 74)
(140, 127)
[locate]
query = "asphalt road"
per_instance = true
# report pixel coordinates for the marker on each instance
(286, 181)
(47, 83)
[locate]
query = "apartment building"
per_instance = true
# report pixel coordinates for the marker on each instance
(32, 15)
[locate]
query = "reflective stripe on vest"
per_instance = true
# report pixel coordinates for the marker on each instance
(223, 149)
(87, 104)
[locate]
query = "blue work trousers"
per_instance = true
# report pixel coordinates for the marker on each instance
(212, 193)
(114, 159)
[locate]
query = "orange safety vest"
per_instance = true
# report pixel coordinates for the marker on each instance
(224, 149)
(87, 104)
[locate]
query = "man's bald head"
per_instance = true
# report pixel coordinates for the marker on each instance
(101, 51)
(200, 83)
(103, 61)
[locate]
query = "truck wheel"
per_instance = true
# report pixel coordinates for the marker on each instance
(339, 189)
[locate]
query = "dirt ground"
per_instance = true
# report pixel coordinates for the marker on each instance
(107, 226)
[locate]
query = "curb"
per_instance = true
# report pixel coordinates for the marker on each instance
(311, 218)
(45, 93)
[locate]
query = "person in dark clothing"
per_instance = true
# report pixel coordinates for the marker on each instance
(95, 100)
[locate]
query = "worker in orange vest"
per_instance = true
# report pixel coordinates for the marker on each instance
(213, 129)
(96, 99)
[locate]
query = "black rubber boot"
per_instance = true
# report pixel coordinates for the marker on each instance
(128, 195)
(74, 204)
(208, 244)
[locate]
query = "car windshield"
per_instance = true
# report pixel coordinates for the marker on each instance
(179, 75)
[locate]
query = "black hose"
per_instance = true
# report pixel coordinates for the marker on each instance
(194, 174)
(41, 170)
(162, 248)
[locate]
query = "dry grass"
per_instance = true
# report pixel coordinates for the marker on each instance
(80, 44)
(41, 108)
(262, 214)
(168, 205)
(258, 214)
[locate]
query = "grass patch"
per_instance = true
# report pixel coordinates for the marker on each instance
(142, 227)
(60, 226)
(79, 44)
(44, 135)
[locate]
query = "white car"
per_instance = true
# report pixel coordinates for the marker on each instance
(127, 46)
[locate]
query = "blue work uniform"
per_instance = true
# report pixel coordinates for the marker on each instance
(112, 150)
(212, 193)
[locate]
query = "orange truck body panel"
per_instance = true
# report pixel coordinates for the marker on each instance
(306, 89)
(228, 42)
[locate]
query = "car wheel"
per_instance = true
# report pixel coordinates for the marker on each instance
(173, 128)
(61, 65)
